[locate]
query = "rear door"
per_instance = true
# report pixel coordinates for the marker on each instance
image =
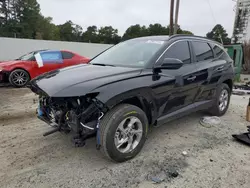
(210, 65)
(182, 91)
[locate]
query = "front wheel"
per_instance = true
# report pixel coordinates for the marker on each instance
(222, 100)
(123, 132)
(19, 78)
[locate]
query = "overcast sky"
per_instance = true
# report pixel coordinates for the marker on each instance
(195, 15)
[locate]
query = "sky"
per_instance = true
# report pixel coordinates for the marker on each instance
(194, 15)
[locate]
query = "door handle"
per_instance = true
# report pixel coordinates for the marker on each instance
(220, 68)
(191, 78)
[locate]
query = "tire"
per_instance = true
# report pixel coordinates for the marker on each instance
(19, 74)
(216, 110)
(109, 127)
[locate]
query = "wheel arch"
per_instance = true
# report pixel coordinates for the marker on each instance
(135, 98)
(141, 103)
(21, 69)
(229, 82)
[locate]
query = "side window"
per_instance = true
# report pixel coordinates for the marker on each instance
(220, 52)
(179, 50)
(51, 56)
(67, 55)
(217, 50)
(202, 51)
(32, 58)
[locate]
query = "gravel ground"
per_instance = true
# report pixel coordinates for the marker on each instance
(213, 158)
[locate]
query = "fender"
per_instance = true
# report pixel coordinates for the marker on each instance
(115, 93)
(24, 66)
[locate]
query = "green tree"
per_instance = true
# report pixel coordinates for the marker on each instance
(27, 14)
(108, 35)
(47, 30)
(70, 31)
(135, 31)
(77, 32)
(7, 21)
(153, 29)
(20, 18)
(218, 33)
(157, 29)
(90, 35)
(4, 12)
(66, 31)
(180, 31)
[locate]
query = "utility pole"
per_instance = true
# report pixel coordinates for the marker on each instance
(171, 17)
(176, 16)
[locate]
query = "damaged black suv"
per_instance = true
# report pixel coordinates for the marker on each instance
(137, 83)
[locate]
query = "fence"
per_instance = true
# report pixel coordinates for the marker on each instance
(11, 48)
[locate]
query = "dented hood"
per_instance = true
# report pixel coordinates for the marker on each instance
(79, 80)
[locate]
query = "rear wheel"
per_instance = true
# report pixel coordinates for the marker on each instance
(222, 100)
(19, 78)
(123, 132)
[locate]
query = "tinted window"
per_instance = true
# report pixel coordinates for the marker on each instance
(179, 50)
(67, 55)
(202, 51)
(217, 50)
(221, 53)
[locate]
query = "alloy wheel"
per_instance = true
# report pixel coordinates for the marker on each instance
(223, 100)
(20, 78)
(128, 134)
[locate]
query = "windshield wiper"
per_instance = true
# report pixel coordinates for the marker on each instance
(101, 64)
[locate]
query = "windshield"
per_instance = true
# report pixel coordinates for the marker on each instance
(26, 57)
(132, 53)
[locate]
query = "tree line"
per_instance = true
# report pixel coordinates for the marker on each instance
(23, 19)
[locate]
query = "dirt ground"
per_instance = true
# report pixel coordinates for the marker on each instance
(214, 159)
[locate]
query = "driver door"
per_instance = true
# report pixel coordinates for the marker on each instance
(176, 89)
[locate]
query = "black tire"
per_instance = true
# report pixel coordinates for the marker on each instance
(109, 125)
(215, 110)
(22, 73)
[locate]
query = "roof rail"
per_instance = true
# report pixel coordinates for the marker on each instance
(192, 36)
(186, 35)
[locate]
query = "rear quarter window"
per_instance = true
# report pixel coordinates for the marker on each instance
(67, 55)
(220, 52)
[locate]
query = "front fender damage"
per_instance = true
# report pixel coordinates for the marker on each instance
(80, 115)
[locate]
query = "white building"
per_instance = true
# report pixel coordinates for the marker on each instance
(241, 30)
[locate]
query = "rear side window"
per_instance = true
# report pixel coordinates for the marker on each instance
(220, 52)
(217, 50)
(202, 51)
(179, 50)
(67, 55)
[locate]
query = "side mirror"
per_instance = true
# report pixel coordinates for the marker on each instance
(169, 63)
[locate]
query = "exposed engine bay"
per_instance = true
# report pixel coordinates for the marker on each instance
(80, 115)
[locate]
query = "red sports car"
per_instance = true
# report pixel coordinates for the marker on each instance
(20, 71)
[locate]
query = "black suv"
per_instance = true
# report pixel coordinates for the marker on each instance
(137, 83)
